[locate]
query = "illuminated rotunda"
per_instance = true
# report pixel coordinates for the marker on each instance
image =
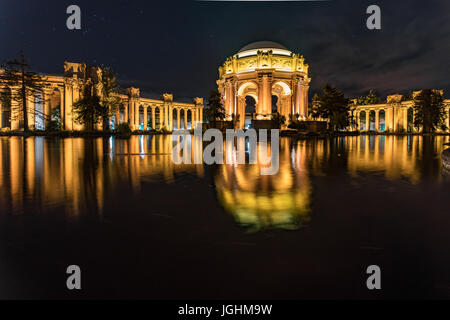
(263, 70)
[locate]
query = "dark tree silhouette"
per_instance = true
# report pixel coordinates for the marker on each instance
(22, 84)
(429, 111)
(334, 107)
(215, 110)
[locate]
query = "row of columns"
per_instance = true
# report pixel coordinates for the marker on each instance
(15, 109)
(297, 101)
(165, 116)
(395, 119)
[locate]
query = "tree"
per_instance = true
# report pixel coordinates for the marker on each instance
(334, 107)
(88, 109)
(315, 106)
(110, 102)
(429, 110)
(55, 120)
(215, 108)
(23, 85)
(371, 98)
(279, 120)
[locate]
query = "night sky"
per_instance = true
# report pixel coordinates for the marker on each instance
(176, 46)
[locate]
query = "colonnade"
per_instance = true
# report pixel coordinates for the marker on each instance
(394, 115)
(64, 91)
(161, 112)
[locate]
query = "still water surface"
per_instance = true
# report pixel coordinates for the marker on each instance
(140, 226)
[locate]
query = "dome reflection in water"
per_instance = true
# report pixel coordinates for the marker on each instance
(258, 202)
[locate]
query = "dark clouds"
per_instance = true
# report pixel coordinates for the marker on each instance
(177, 46)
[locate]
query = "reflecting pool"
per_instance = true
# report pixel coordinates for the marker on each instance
(140, 226)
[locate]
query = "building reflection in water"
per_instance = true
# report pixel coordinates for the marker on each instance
(76, 175)
(37, 173)
(283, 201)
(267, 201)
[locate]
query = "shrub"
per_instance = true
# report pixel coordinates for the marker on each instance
(53, 125)
(123, 129)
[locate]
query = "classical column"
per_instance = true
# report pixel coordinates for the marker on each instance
(185, 119)
(145, 118)
(68, 105)
(137, 116)
(117, 118)
(131, 111)
(377, 120)
(62, 108)
(229, 107)
(76, 96)
(166, 117)
(358, 124)
(304, 111)
(367, 120)
(395, 118)
(241, 111)
(125, 113)
(15, 115)
(201, 114)
(161, 117)
(405, 119)
(193, 118)
(267, 90)
(153, 118)
(178, 119)
(31, 111)
(170, 118)
(47, 109)
(297, 97)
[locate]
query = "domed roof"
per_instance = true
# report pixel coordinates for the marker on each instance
(262, 45)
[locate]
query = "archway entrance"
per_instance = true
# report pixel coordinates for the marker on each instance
(362, 121)
(371, 126)
(250, 110)
(5, 100)
(382, 120)
(410, 115)
(275, 107)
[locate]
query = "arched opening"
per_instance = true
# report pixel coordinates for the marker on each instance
(371, 120)
(410, 115)
(121, 114)
(362, 121)
(275, 107)
(175, 119)
(5, 98)
(248, 90)
(54, 119)
(39, 117)
(189, 119)
(182, 118)
(250, 110)
(141, 118)
(382, 120)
